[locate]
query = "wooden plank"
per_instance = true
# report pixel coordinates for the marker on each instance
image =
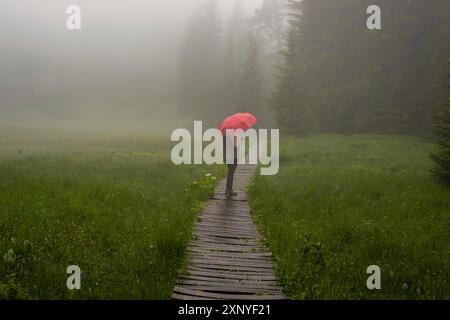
(226, 214)
(266, 271)
(221, 250)
(230, 207)
(195, 280)
(215, 295)
(226, 218)
(227, 207)
(228, 227)
(223, 247)
(237, 207)
(242, 258)
(230, 262)
(243, 242)
(233, 275)
(228, 224)
(236, 236)
(220, 220)
(227, 232)
(242, 281)
(224, 197)
(257, 242)
(232, 255)
(211, 247)
(225, 288)
(262, 261)
(232, 283)
(249, 254)
(226, 241)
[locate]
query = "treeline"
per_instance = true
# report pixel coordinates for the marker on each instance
(339, 76)
(225, 67)
(441, 128)
(314, 67)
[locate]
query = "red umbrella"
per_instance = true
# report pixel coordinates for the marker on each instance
(242, 121)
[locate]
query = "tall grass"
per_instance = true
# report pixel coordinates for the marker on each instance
(342, 203)
(116, 207)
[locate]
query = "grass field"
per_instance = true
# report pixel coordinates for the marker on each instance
(340, 204)
(113, 205)
(118, 208)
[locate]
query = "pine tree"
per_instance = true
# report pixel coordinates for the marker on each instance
(251, 82)
(269, 24)
(200, 64)
(235, 51)
(338, 76)
(292, 116)
(436, 75)
(441, 127)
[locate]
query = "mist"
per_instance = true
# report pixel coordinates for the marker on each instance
(304, 67)
(117, 73)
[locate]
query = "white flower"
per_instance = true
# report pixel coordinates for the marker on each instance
(10, 256)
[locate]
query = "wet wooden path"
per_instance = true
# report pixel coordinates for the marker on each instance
(227, 259)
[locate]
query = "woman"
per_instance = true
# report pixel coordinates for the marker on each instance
(237, 121)
(231, 166)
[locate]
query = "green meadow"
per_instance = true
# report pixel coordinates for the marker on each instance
(113, 205)
(342, 203)
(118, 208)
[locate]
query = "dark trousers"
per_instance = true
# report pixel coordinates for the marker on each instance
(230, 177)
(231, 168)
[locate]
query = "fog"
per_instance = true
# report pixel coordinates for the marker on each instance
(116, 73)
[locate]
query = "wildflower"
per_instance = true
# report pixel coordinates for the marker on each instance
(405, 286)
(10, 257)
(208, 175)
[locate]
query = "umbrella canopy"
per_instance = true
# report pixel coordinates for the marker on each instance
(242, 121)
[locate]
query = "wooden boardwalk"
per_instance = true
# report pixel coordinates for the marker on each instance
(227, 259)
